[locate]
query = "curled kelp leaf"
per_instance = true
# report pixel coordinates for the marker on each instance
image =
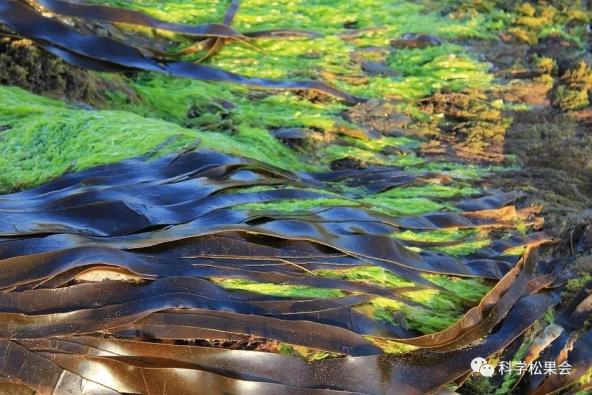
(580, 361)
(48, 372)
(55, 269)
(500, 246)
(489, 202)
(479, 320)
(213, 45)
(199, 293)
(129, 17)
(571, 319)
(47, 31)
(504, 217)
(494, 306)
(121, 217)
(378, 250)
(187, 311)
(374, 180)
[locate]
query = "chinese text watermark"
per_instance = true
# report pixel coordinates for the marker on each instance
(546, 368)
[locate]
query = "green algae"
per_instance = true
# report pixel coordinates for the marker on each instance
(440, 314)
(585, 379)
(464, 249)
(377, 203)
(427, 70)
(327, 16)
(284, 290)
(440, 309)
(370, 274)
(472, 289)
(401, 206)
(576, 284)
(466, 244)
(424, 71)
(223, 107)
(334, 152)
(46, 138)
(295, 205)
(238, 120)
(468, 171)
(391, 346)
(430, 191)
(440, 235)
(381, 143)
(306, 354)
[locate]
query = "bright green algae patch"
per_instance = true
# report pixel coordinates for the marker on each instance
(327, 16)
(280, 290)
(385, 206)
(417, 72)
(462, 241)
(438, 309)
(45, 138)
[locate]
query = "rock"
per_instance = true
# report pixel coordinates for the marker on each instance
(414, 40)
(348, 163)
(379, 116)
(292, 137)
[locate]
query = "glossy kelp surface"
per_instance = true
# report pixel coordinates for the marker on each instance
(164, 235)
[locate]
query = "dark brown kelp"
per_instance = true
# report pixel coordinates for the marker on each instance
(106, 54)
(161, 230)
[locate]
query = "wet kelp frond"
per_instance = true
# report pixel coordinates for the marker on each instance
(181, 265)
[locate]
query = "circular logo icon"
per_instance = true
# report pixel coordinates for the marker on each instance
(487, 370)
(476, 363)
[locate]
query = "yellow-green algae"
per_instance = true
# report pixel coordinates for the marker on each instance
(466, 248)
(381, 203)
(466, 240)
(440, 235)
(279, 289)
(46, 138)
(421, 71)
(295, 205)
(440, 309)
(430, 191)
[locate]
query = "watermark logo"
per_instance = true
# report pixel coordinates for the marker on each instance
(547, 368)
(480, 365)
